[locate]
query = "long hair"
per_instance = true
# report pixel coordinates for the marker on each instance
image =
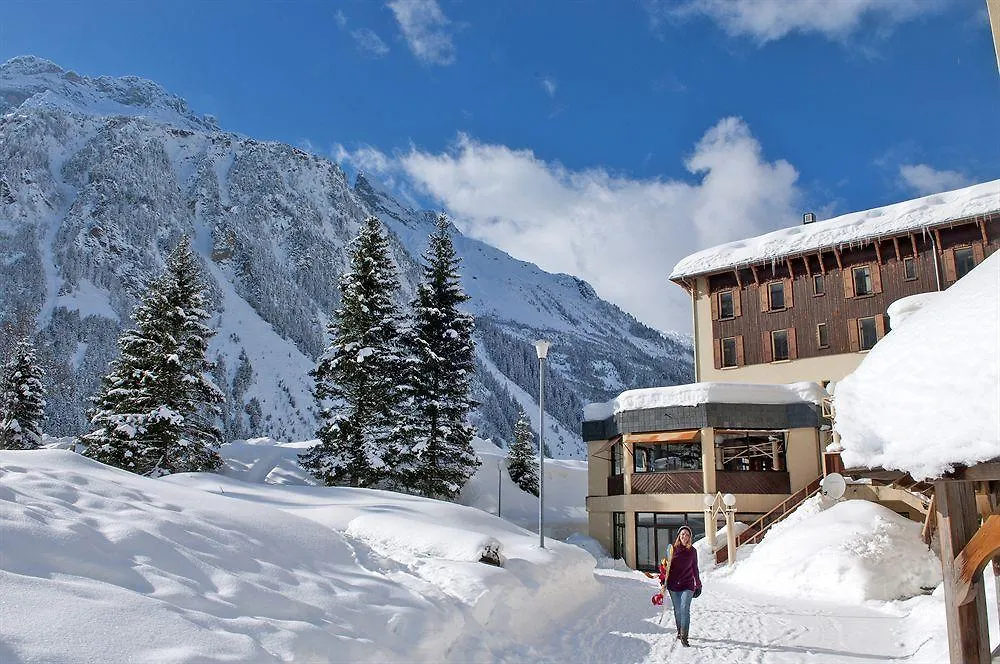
(677, 540)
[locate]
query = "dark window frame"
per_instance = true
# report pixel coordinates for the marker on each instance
(618, 535)
(770, 296)
(617, 459)
(774, 347)
(867, 282)
(672, 455)
(732, 305)
(909, 261)
(820, 335)
(722, 348)
(970, 263)
(664, 531)
(822, 287)
(861, 333)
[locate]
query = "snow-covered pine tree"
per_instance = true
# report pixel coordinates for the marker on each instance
(360, 386)
(155, 413)
(22, 400)
(442, 366)
(522, 463)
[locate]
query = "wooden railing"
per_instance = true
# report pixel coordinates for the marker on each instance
(677, 481)
(752, 481)
(758, 528)
(616, 485)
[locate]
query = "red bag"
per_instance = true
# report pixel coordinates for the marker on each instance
(657, 599)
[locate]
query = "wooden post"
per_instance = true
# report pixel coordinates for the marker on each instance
(958, 520)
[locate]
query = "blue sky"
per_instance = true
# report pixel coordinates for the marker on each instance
(606, 139)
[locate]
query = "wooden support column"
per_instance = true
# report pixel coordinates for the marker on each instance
(836, 253)
(791, 270)
(878, 250)
(982, 230)
(895, 245)
(958, 518)
(913, 243)
(822, 266)
(756, 279)
(805, 261)
(738, 280)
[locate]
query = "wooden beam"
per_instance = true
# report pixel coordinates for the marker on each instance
(878, 251)
(756, 279)
(805, 261)
(982, 230)
(987, 471)
(913, 243)
(895, 245)
(836, 252)
(930, 520)
(738, 280)
(791, 270)
(822, 266)
(979, 551)
(968, 629)
(937, 236)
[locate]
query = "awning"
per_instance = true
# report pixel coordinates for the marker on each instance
(685, 436)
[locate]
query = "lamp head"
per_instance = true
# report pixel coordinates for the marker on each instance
(542, 348)
(729, 499)
(709, 500)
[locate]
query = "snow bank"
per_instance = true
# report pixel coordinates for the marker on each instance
(854, 228)
(853, 551)
(904, 307)
(699, 393)
(266, 461)
(394, 537)
(706, 555)
(927, 397)
(100, 565)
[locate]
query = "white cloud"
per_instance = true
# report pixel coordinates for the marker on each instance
(620, 234)
(549, 85)
(769, 20)
(341, 18)
(425, 28)
(926, 180)
(369, 43)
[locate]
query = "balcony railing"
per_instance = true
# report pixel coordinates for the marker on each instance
(753, 481)
(678, 481)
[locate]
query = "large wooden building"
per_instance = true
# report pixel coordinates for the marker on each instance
(805, 303)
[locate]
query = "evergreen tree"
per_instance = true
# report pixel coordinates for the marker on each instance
(442, 366)
(156, 410)
(522, 464)
(22, 400)
(359, 378)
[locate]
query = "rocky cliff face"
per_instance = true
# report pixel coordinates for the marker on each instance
(99, 177)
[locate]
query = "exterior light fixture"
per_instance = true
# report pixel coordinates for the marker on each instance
(542, 350)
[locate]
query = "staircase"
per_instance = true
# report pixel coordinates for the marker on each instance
(758, 528)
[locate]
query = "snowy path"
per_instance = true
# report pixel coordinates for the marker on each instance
(730, 625)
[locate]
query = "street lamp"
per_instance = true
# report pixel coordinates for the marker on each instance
(710, 521)
(730, 502)
(499, 485)
(542, 350)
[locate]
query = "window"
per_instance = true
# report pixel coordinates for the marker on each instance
(819, 284)
(776, 295)
(618, 535)
(729, 358)
(663, 457)
(822, 336)
(617, 466)
(863, 281)
(779, 345)
(726, 307)
(964, 261)
(909, 268)
(655, 531)
(750, 450)
(867, 332)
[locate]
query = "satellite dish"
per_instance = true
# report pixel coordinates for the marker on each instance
(833, 486)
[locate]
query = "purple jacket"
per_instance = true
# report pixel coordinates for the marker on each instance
(683, 570)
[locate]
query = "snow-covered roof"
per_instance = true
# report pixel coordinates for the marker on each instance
(694, 394)
(852, 228)
(927, 396)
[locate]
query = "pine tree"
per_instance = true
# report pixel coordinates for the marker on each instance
(521, 461)
(359, 386)
(22, 400)
(442, 366)
(156, 410)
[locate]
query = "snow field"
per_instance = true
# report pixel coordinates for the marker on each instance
(99, 564)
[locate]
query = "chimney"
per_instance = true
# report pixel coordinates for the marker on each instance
(809, 217)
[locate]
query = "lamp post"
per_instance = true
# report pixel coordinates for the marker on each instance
(710, 521)
(499, 485)
(542, 350)
(730, 502)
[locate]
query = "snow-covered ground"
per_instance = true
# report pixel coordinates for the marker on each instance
(256, 565)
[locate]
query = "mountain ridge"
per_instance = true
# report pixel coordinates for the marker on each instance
(99, 176)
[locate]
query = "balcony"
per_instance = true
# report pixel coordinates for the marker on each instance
(678, 481)
(752, 481)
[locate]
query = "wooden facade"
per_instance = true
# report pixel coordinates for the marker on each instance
(744, 336)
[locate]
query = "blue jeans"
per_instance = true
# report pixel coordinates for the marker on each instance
(681, 601)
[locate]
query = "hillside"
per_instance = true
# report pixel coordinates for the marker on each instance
(100, 176)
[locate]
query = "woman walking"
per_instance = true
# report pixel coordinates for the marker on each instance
(683, 582)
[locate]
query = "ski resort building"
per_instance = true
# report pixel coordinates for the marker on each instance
(806, 303)
(655, 453)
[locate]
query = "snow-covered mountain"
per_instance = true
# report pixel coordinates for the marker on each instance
(100, 176)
